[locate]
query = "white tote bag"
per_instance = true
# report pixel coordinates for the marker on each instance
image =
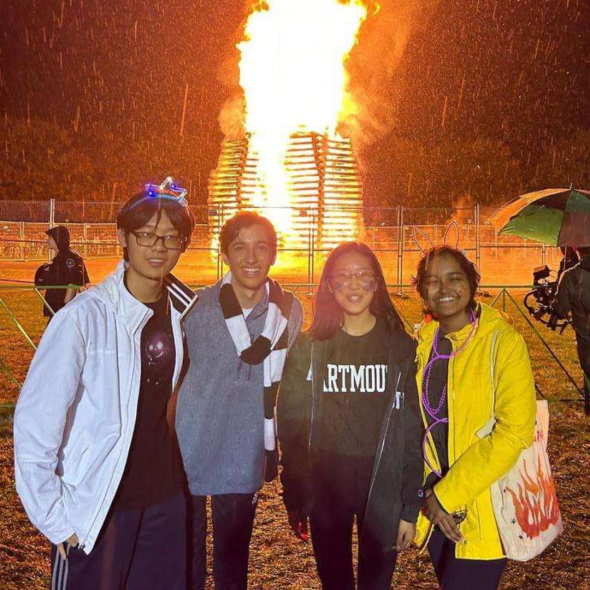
(524, 500)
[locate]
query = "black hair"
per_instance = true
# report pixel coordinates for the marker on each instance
(583, 251)
(328, 315)
(234, 225)
(466, 265)
(139, 209)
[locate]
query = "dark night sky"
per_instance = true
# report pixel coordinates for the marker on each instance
(515, 70)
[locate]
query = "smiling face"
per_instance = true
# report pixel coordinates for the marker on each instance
(150, 263)
(250, 257)
(353, 283)
(446, 292)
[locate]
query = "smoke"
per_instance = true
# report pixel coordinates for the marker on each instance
(232, 115)
(375, 71)
(376, 66)
(231, 118)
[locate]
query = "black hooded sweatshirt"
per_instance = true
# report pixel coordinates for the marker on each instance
(67, 268)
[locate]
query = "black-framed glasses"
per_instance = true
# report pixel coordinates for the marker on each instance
(148, 239)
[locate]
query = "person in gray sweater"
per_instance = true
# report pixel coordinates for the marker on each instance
(238, 334)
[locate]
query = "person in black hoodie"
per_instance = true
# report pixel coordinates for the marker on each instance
(66, 268)
(573, 296)
(349, 426)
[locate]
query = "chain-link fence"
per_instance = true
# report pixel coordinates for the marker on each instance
(398, 235)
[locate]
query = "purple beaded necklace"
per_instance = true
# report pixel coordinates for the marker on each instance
(434, 412)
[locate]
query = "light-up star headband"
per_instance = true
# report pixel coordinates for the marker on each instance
(167, 190)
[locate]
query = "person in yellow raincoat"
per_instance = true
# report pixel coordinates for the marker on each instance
(467, 351)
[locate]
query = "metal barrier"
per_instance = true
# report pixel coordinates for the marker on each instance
(504, 296)
(391, 232)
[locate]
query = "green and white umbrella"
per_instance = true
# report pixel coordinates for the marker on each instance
(555, 216)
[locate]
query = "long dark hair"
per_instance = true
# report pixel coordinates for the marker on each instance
(328, 315)
(466, 265)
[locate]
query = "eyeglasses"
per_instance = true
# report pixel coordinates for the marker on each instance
(149, 240)
(366, 279)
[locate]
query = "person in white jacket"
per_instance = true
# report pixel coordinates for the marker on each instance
(97, 463)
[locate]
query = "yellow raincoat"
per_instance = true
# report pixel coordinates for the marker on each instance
(495, 359)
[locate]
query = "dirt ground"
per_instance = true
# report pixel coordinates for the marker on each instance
(278, 560)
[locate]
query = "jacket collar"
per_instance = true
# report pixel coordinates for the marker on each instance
(181, 295)
(130, 308)
(489, 320)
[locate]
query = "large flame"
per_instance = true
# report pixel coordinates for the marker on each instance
(293, 74)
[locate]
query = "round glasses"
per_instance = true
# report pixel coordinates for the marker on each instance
(149, 240)
(366, 279)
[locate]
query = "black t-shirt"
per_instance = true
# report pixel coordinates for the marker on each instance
(439, 376)
(67, 268)
(354, 399)
(153, 471)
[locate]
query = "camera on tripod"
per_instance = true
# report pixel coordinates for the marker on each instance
(539, 301)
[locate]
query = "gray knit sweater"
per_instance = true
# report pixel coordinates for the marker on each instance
(220, 412)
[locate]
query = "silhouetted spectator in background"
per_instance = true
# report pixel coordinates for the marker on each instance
(573, 296)
(66, 268)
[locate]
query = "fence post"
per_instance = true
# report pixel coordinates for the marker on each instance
(85, 234)
(51, 213)
(400, 247)
(309, 214)
(21, 236)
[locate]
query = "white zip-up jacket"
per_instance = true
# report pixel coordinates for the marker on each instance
(75, 417)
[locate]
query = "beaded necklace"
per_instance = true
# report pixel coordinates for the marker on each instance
(434, 412)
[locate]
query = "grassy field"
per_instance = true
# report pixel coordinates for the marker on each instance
(278, 560)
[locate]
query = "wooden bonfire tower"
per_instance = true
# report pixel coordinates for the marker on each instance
(324, 185)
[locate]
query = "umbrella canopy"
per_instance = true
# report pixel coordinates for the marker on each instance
(556, 216)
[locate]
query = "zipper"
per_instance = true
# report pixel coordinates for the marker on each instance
(179, 337)
(138, 382)
(451, 409)
(313, 399)
(384, 437)
(311, 420)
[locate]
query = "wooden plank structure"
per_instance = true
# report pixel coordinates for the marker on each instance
(323, 185)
